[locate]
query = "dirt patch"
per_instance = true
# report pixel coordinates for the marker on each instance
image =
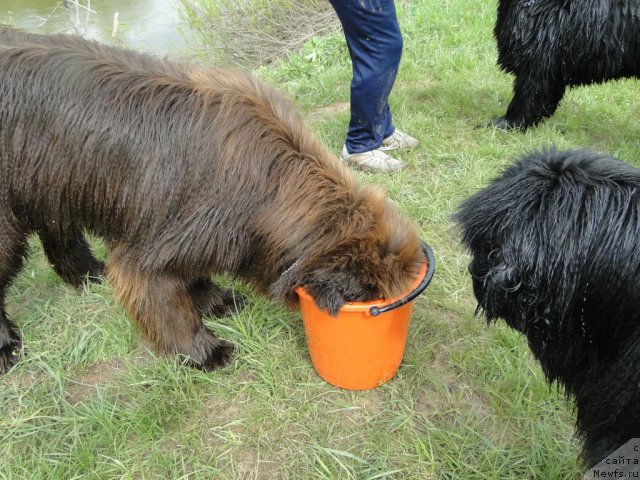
(328, 110)
(249, 465)
(234, 441)
(95, 377)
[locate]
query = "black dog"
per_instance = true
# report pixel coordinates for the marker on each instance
(550, 45)
(555, 242)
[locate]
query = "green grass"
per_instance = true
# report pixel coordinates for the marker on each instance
(89, 400)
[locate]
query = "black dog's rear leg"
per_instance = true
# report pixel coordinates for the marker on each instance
(10, 344)
(211, 300)
(12, 250)
(534, 100)
(71, 257)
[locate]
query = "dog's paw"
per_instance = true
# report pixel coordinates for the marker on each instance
(502, 123)
(232, 303)
(9, 355)
(209, 352)
(96, 273)
(217, 357)
(215, 302)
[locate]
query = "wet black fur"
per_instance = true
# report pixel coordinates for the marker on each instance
(550, 45)
(555, 244)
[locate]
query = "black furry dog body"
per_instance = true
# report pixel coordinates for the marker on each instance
(550, 45)
(555, 244)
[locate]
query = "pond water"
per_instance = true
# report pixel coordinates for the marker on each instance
(149, 25)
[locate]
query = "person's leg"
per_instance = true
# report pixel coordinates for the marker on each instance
(375, 45)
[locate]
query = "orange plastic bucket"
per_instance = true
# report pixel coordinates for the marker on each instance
(363, 346)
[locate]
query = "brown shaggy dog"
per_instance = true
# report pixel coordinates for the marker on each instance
(185, 172)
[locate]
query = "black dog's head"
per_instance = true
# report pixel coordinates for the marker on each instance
(555, 245)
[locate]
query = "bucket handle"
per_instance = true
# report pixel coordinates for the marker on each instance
(431, 268)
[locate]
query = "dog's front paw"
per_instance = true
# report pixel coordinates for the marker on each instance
(9, 355)
(218, 357)
(209, 352)
(506, 125)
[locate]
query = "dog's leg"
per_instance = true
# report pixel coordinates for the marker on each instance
(12, 250)
(211, 300)
(162, 307)
(533, 101)
(71, 257)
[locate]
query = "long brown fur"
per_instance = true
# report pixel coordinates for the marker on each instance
(185, 172)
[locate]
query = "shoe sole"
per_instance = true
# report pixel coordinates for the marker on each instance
(365, 168)
(389, 148)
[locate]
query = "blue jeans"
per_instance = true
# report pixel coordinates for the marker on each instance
(375, 45)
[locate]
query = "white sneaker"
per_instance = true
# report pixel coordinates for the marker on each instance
(399, 139)
(372, 160)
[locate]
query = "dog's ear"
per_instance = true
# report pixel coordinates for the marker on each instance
(331, 290)
(327, 297)
(330, 286)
